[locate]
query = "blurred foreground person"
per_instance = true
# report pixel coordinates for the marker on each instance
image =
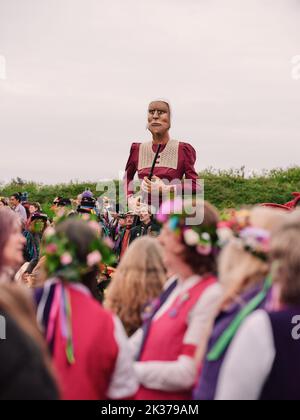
(263, 360)
(88, 344)
(25, 371)
(243, 274)
(165, 347)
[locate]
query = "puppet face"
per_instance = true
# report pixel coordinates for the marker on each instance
(159, 118)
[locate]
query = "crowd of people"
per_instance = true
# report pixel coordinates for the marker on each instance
(100, 304)
(165, 300)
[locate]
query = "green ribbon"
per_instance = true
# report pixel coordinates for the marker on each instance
(227, 336)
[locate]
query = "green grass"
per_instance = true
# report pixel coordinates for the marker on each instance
(225, 189)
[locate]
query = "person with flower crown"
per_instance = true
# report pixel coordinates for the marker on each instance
(262, 362)
(87, 343)
(244, 275)
(165, 347)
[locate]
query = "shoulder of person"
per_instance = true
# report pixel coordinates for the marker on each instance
(187, 147)
(257, 322)
(135, 146)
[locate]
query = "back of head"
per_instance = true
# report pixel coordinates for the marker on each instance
(76, 238)
(74, 251)
(78, 233)
(294, 216)
(285, 254)
(144, 254)
(240, 266)
(268, 218)
(139, 279)
(200, 217)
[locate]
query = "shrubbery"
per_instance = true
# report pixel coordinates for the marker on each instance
(225, 189)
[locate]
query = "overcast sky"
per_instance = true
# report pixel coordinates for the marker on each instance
(80, 73)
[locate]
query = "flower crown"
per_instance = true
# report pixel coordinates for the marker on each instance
(203, 238)
(256, 241)
(61, 254)
(236, 224)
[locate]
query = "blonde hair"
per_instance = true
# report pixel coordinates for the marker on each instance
(239, 269)
(294, 216)
(139, 279)
(268, 218)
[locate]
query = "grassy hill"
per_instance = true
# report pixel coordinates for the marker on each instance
(225, 189)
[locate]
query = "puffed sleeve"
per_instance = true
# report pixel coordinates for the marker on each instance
(131, 168)
(189, 157)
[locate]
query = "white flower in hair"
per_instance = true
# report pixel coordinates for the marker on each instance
(224, 234)
(191, 238)
(205, 236)
(50, 231)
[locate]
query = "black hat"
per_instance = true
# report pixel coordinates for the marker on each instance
(63, 202)
(39, 216)
(88, 202)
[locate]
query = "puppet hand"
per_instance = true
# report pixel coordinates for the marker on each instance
(156, 185)
(134, 203)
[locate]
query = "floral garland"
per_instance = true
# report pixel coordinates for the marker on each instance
(203, 238)
(61, 255)
(236, 224)
(256, 242)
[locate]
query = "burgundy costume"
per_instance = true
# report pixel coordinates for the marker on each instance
(175, 160)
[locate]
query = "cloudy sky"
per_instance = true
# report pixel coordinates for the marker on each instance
(80, 73)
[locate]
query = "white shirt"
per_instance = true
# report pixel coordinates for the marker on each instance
(21, 212)
(249, 360)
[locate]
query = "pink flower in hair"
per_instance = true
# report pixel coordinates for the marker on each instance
(204, 249)
(66, 259)
(94, 258)
(169, 207)
(51, 249)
